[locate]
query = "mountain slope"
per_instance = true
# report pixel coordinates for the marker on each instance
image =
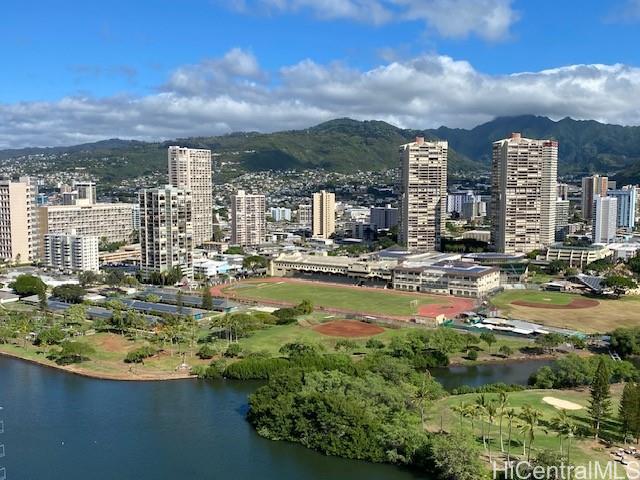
(346, 145)
(585, 145)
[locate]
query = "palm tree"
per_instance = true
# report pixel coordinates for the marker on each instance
(481, 408)
(419, 397)
(460, 409)
(531, 418)
(560, 425)
(503, 400)
(510, 414)
(491, 410)
(572, 429)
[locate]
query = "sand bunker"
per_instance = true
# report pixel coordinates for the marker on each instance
(561, 404)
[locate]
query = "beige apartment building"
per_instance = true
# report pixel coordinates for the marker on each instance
(592, 187)
(323, 214)
(423, 194)
(111, 221)
(248, 219)
(166, 232)
(190, 168)
(19, 225)
(305, 214)
(523, 194)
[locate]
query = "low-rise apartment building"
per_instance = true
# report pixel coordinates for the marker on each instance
(71, 252)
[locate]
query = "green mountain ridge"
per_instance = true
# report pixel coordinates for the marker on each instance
(346, 145)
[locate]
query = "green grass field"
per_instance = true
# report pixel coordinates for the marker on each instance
(583, 450)
(383, 302)
(504, 299)
(608, 315)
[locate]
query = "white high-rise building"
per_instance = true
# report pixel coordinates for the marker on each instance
(190, 168)
(323, 214)
(605, 217)
(248, 219)
(627, 200)
(592, 187)
(166, 233)
(71, 252)
(305, 214)
(19, 223)
(280, 214)
(423, 194)
(523, 194)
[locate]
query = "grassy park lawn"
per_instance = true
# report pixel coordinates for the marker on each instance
(384, 302)
(108, 359)
(608, 315)
(504, 299)
(583, 449)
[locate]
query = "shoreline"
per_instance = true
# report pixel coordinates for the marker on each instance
(101, 376)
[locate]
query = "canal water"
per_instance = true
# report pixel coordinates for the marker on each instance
(62, 426)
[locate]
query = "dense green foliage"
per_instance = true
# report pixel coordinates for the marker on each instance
(600, 401)
(25, 285)
(140, 354)
(69, 293)
(574, 371)
(626, 341)
(72, 352)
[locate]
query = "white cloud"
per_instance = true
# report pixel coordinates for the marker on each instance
(487, 19)
(233, 93)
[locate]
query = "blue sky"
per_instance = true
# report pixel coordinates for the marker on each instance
(95, 70)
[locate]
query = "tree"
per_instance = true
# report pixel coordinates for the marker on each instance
(88, 278)
(556, 266)
(69, 293)
(254, 263)
(75, 314)
(419, 398)
(505, 350)
(619, 284)
(113, 277)
(628, 409)
(510, 414)
(488, 338)
(207, 299)
(25, 285)
(179, 302)
(549, 341)
(600, 402)
(42, 301)
(530, 419)
(503, 401)
(73, 352)
(460, 409)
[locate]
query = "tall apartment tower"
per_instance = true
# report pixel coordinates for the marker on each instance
(627, 198)
(19, 225)
(323, 214)
(248, 219)
(604, 222)
(592, 187)
(423, 194)
(190, 168)
(523, 194)
(166, 232)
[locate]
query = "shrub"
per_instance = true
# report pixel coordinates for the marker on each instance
(346, 345)
(472, 355)
(233, 350)
(206, 352)
(210, 372)
(255, 368)
(138, 355)
(374, 343)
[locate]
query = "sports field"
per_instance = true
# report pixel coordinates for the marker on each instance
(568, 310)
(331, 296)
